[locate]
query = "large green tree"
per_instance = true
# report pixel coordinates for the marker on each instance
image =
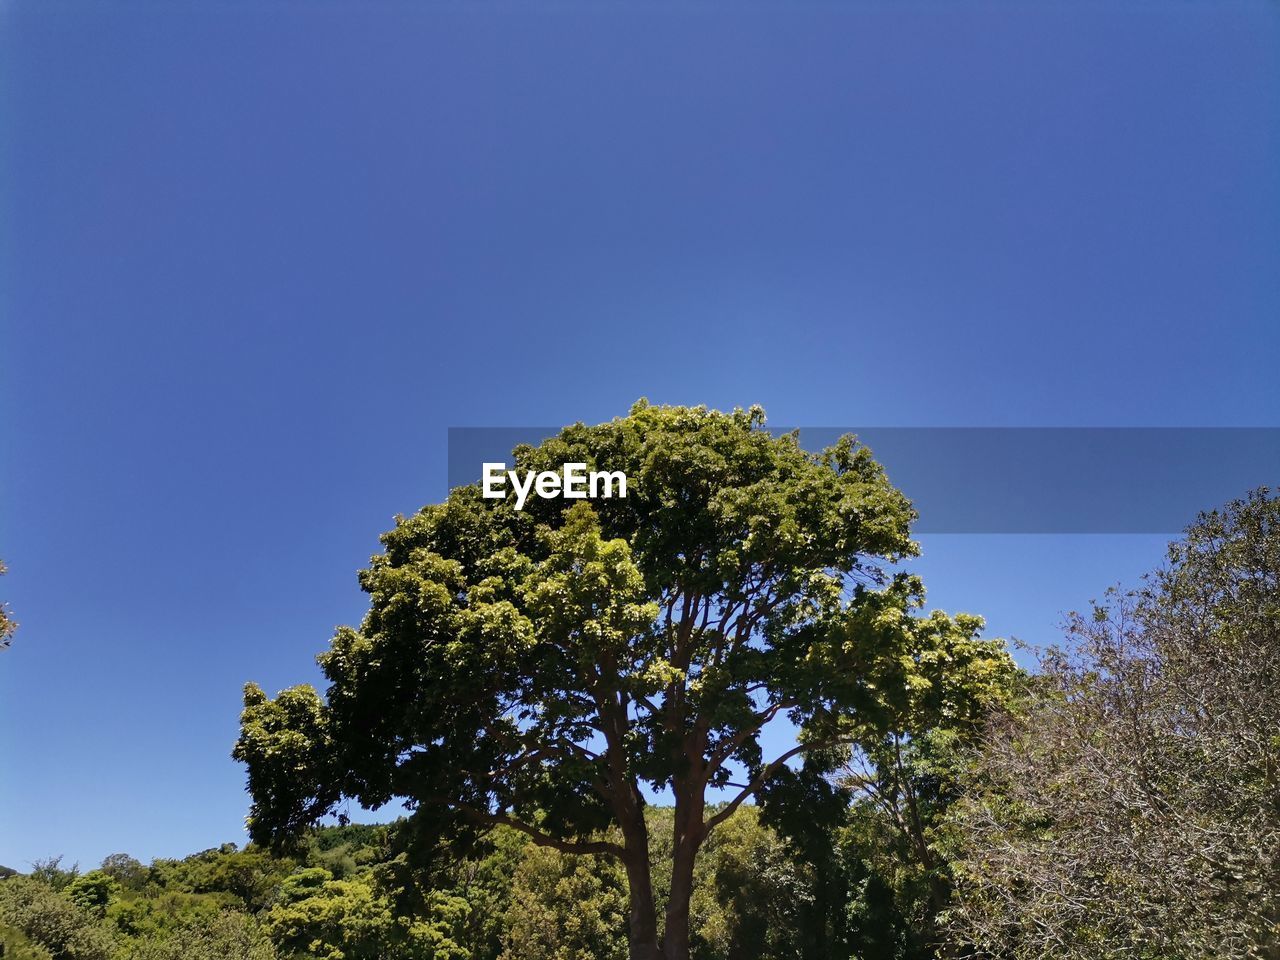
(539, 668)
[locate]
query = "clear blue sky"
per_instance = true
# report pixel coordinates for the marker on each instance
(255, 258)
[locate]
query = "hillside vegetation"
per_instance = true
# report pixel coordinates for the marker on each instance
(348, 893)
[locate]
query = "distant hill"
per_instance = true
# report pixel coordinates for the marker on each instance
(6, 871)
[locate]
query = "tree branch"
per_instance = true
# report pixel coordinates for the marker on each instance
(598, 847)
(763, 776)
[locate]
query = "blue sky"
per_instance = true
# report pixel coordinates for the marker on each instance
(255, 259)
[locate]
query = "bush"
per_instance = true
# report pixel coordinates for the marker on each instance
(50, 920)
(227, 936)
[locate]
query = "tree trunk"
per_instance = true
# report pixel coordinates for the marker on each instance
(675, 938)
(642, 913)
(689, 834)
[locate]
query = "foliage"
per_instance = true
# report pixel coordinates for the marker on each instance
(752, 896)
(486, 882)
(318, 916)
(48, 919)
(1132, 810)
(897, 878)
(566, 908)
(749, 898)
(19, 947)
(51, 872)
(226, 935)
(247, 876)
(538, 668)
(92, 892)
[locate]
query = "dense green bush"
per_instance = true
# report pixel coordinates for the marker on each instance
(225, 935)
(53, 921)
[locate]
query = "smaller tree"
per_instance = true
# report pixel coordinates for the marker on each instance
(125, 870)
(52, 873)
(93, 892)
(1133, 810)
(249, 875)
(903, 780)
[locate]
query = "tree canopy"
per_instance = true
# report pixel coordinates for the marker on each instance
(540, 668)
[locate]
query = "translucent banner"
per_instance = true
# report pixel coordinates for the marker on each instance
(1016, 479)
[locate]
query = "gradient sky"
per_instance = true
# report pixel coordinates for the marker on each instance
(255, 258)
